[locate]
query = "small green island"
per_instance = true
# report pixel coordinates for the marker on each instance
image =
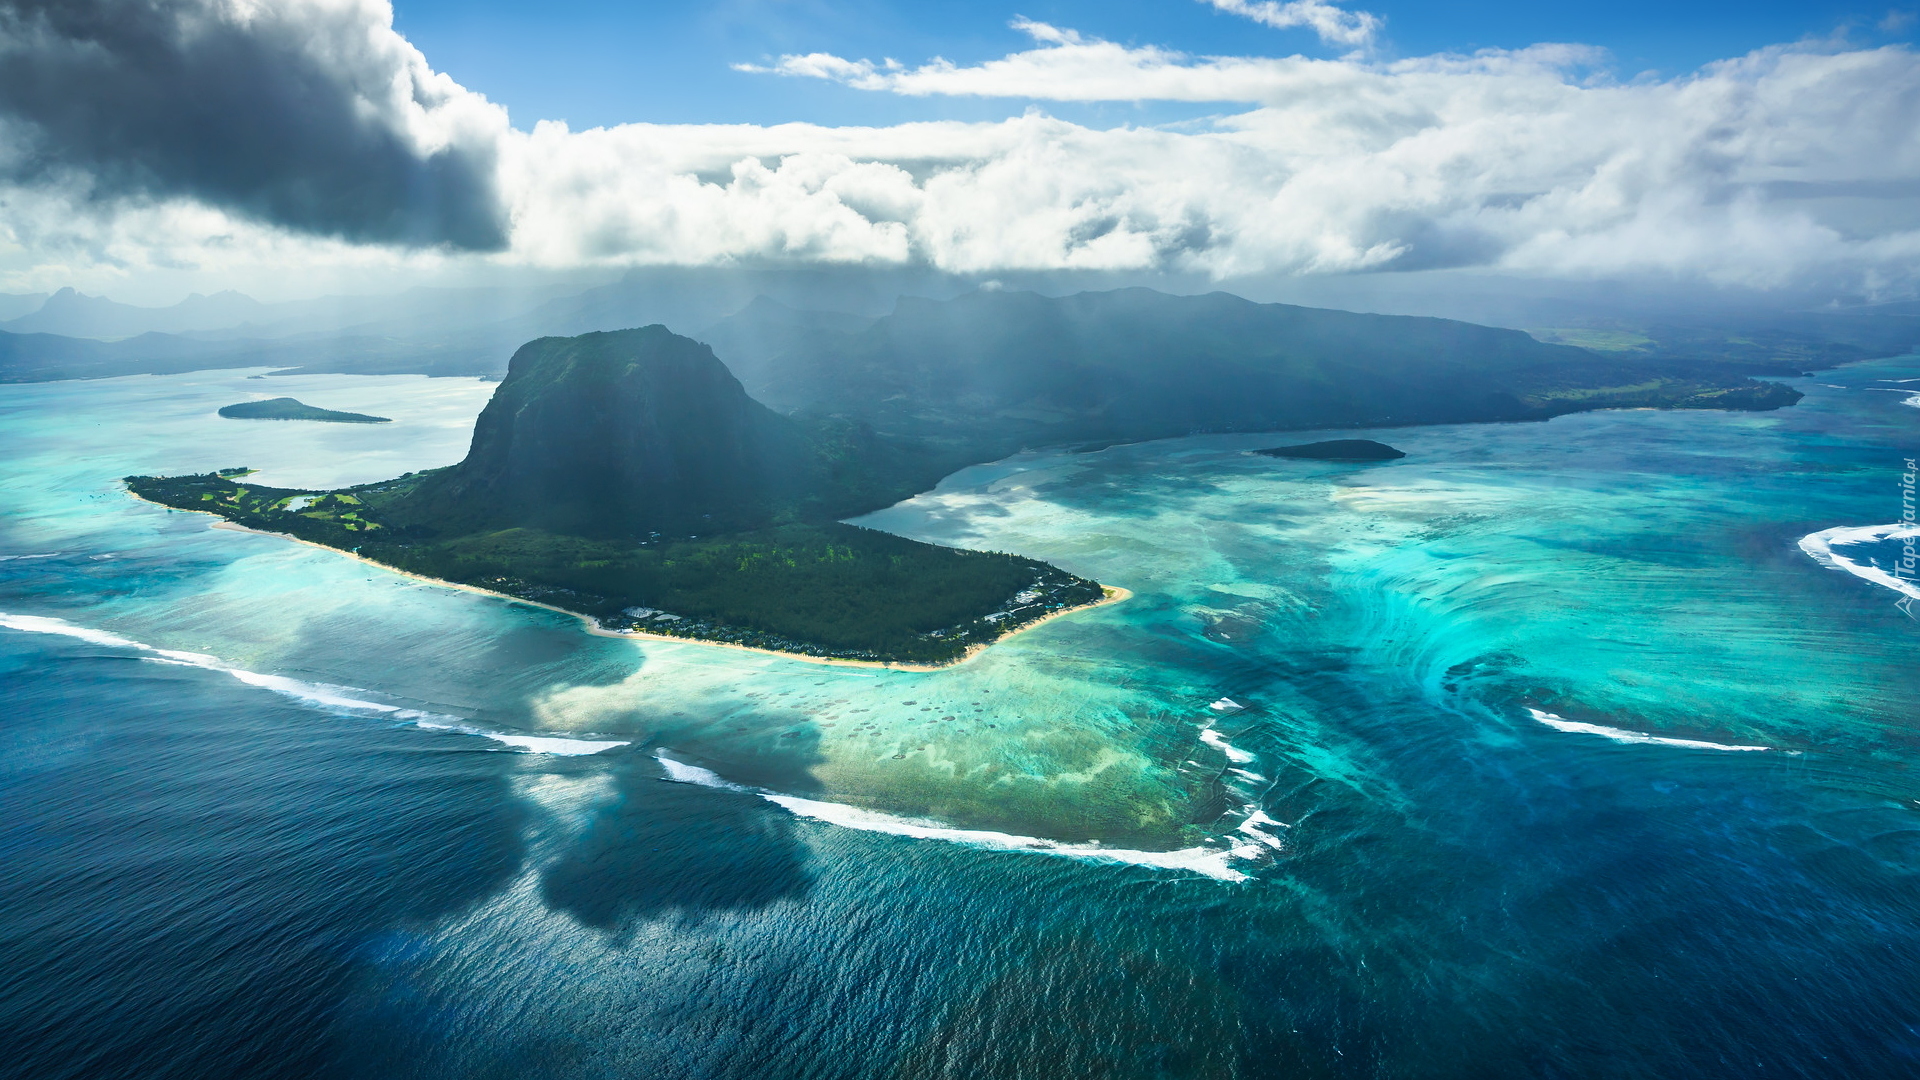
(286, 408)
(626, 477)
(1337, 450)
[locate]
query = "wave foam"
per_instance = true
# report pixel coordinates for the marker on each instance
(1620, 735)
(24, 558)
(325, 696)
(1219, 742)
(1210, 862)
(1820, 546)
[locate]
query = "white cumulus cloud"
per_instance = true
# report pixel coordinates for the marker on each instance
(1790, 165)
(1334, 24)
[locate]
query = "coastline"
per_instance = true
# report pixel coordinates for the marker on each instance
(1110, 594)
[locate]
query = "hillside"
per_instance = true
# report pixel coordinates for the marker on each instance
(638, 432)
(994, 370)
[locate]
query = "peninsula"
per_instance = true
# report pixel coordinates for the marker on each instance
(627, 477)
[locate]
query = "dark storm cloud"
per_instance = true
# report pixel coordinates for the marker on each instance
(309, 114)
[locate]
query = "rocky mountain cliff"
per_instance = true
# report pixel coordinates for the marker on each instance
(633, 432)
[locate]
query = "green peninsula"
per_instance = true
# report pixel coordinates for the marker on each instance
(627, 477)
(286, 408)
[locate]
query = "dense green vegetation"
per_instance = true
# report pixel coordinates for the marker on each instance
(286, 408)
(824, 589)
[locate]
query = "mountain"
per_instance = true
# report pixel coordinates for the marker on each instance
(74, 314)
(753, 337)
(48, 357)
(14, 305)
(991, 371)
(636, 432)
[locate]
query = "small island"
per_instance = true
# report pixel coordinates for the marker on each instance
(1337, 450)
(286, 408)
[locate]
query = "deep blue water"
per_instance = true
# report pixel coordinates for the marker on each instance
(211, 875)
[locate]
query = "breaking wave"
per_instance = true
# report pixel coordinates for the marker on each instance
(1621, 735)
(1211, 862)
(1820, 546)
(324, 696)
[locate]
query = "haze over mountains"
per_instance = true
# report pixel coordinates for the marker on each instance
(751, 317)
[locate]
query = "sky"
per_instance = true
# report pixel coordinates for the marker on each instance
(603, 62)
(292, 147)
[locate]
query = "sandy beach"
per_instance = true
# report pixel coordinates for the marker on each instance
(1112, 594)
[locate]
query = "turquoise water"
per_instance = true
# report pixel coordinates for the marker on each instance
(1425, 768)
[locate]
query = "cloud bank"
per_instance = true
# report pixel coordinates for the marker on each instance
(311, 115)
(309, 130)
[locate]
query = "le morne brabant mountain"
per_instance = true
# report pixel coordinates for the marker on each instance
(630, 477)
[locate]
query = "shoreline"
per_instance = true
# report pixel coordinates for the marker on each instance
(1110, 594)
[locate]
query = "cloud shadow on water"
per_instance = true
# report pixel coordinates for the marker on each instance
(659, 847)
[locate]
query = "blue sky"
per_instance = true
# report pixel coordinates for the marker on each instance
(603, 62)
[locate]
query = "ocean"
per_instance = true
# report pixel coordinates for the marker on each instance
(1566, 749)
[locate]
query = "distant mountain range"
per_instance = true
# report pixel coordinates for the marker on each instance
(992, 371)
(74, 314)
(756, 317)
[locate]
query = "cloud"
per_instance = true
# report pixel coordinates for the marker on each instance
(313, 115)
(1788, 166)
(1334, 24)
(1071, 67)
(1526, 161)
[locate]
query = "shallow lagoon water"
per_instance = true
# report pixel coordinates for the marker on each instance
(208, 876)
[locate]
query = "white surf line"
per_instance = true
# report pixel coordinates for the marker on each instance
(1820, 546)
(325, 696)
(1912, 400)
(1620, 735)
(1255, 823)
(1206, 861)
(23, 558)
(1219, 742)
